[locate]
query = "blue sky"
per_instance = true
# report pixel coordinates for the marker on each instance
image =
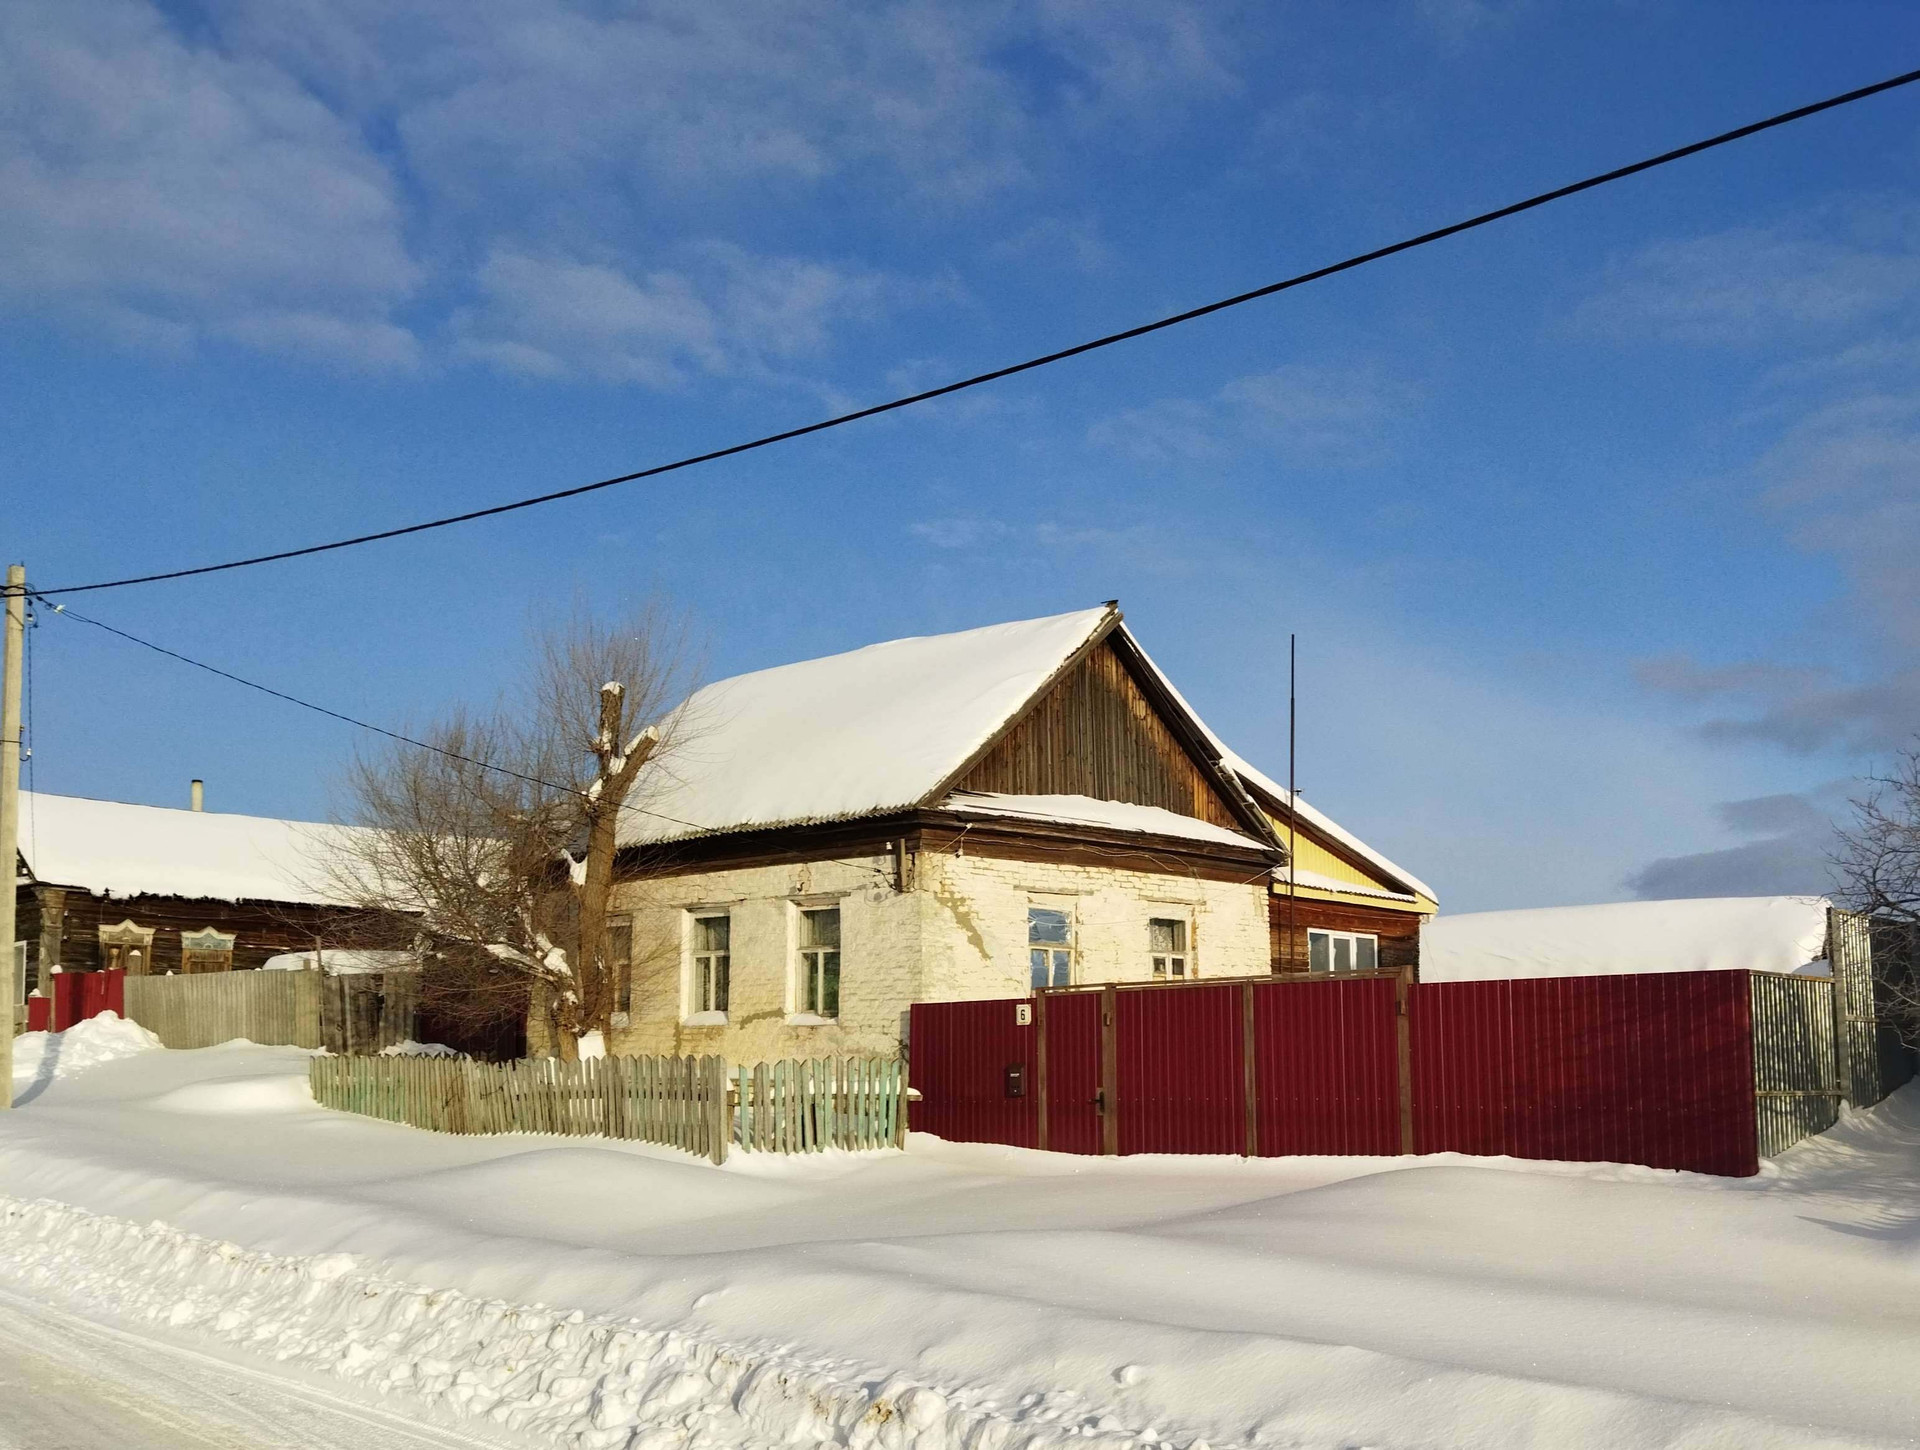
(1598, 527)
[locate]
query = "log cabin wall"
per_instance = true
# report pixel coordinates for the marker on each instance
(1096, 734)
(1399, 931)
(68, 921)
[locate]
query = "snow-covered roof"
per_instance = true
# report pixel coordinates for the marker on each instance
(1722, 933)
(856, 734)
(112, 848)
(343, 962)
(1319, 820)
(1086, 811)
(880, 729)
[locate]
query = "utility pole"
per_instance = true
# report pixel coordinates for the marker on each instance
(16, 644)
(1293, 821)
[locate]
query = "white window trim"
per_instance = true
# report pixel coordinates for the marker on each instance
(1354, 937)
(1186, 956)
(1067, 906)
(798, 1013)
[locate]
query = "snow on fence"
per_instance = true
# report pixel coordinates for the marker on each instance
(693, 1103)
(803, 1106)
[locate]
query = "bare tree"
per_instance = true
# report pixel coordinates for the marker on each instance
(494, 849)
(1877, 867)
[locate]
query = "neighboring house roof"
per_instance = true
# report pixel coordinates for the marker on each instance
(889, 728)
(1723, 933)
(112, 848)
(343, 962)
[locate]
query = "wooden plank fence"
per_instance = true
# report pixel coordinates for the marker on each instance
(278, 1009)
(692, 1103)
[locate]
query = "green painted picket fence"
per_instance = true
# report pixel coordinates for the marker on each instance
(693, 1103)
(805, 1105)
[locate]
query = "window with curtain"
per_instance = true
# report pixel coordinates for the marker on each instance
(1050, 947)
(712, 962)
(820, 962)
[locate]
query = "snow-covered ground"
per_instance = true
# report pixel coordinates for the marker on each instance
(598, 1294)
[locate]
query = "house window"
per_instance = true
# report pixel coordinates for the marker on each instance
(712, 956)
(206, 951)
(1167, 944)
(1342, 951)
(619, 961)
(19, 976)
(1050, 947)
(820, 962)
(127, 948)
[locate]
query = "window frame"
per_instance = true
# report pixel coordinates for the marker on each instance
(700, 1000)
(810, 962)
(1353, 940)
(621, 967)
(1162, 963)
(1067, 948)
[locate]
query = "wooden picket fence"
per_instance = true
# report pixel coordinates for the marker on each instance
(693, 1103)
(805, 1105)
(681, 1102)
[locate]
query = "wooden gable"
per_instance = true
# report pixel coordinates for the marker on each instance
(1095, 732)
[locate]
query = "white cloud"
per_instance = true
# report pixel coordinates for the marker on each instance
(1309, 416)
(171, 191)
(727, 311)
(1814, 273)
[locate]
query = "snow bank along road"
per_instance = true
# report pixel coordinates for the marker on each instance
(599, 1294)
(65, 1382)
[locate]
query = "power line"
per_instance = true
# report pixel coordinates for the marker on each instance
(787, 435)
(65, 613)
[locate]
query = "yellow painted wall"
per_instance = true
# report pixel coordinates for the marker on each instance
(1315, 857)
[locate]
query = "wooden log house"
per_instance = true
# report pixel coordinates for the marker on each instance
(156, 890)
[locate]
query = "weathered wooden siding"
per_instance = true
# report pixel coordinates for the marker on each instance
(69, 922)
(1095, 734)
(1399, 931)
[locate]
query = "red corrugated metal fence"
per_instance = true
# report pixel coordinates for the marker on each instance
(1654, 1069)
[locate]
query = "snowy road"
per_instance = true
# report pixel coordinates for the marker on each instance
(69, 1384)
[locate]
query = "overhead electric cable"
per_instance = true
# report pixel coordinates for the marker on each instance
(1619, 173)
(67, 613)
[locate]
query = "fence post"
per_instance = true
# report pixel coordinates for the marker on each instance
(720, 1117)
(1249, 1085)
(1403, 1051)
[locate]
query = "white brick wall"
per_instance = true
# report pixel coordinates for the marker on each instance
(960, 934)
(978, 948)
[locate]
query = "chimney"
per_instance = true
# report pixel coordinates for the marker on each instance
(198, 795)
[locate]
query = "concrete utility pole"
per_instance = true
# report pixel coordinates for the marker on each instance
(16, 644)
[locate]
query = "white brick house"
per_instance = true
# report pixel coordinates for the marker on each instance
(961, 816)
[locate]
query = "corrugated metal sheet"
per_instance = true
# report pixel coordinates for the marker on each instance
(1073, 1032)
(1653, 1069)
(1874, 1060)
(1796, 1068)
(1326, 1072)
(958, 1055)
(1182, 1070)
